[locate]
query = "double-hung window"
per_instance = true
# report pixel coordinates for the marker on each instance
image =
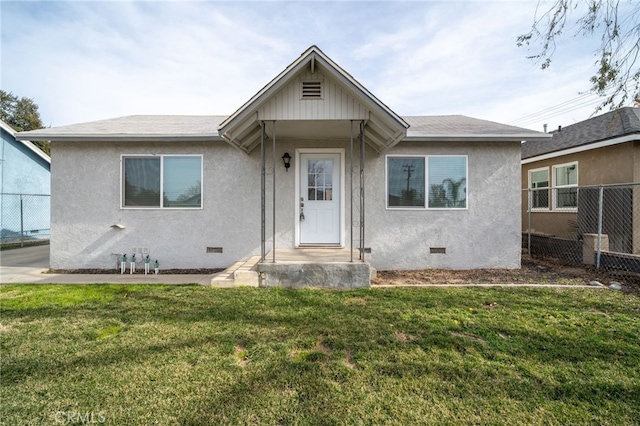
(162, 181)
(539, 185)
(427, 182)
(565, 182)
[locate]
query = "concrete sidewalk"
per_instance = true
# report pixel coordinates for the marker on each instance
(29, 266)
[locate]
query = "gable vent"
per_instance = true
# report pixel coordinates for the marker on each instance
(312, 89)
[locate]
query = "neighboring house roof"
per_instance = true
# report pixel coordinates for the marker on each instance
(204, 128)
(619, 126)
(28, 144)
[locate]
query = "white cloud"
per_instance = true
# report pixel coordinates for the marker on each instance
(85, 61)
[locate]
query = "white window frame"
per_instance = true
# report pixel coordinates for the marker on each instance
(426, 182)
(555, 187)
(161, 156)
(540, 209)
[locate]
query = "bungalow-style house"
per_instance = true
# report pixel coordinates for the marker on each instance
(25, 184)
(312, 162)
(564, 175)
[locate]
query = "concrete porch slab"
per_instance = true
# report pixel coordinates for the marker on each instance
(303, 267)
(314, 267)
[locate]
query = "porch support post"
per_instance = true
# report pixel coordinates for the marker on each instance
(262, 194)
(362, 190)
(351, 188)
(273, 162)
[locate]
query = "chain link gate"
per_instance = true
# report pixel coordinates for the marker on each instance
(590, 225)
(25, 218)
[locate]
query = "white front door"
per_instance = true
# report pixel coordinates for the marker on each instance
(319, 198)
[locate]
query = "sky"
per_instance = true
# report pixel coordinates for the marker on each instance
(93, 60)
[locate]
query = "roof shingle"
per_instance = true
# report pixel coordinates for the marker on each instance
(621, 122)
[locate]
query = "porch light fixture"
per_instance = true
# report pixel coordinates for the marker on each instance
(286, 159)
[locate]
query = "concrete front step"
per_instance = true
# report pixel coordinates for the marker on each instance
(240, 274)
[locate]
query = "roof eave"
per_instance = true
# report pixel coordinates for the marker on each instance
(75, 137)
(477, 138)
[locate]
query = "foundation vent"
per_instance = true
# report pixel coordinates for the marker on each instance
(312, 89)
(438, 250)
(214, 249)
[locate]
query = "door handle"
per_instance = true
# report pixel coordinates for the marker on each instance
(301, 209)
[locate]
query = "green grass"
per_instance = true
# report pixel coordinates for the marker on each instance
(193, 355)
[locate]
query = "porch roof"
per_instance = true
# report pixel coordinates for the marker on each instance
(384, 128)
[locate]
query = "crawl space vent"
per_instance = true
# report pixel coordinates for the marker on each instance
(312, 89)
(438, 250)
(214, 249)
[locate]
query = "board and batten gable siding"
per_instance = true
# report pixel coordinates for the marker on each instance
(336, 102)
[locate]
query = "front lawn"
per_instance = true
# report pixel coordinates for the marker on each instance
(112, 354)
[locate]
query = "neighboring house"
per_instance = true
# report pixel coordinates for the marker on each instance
(565, 171)
(206, 191)
(25, 185)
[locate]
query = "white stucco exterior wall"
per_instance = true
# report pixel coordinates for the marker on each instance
(86, 202)
(486, 235)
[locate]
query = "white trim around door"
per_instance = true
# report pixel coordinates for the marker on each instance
(306, 210)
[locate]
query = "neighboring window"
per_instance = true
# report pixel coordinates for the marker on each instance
(177, 177)
(566, 186)
(539, 185)
(434, 182)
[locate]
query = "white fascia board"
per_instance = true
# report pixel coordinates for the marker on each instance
(92, 137)
(583, 148)
(473, 138)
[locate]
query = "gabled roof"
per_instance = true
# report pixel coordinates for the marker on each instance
(241, 127)
(26, 143)
(462, 128)
(439, 128)
(613, 127)
(161, 128)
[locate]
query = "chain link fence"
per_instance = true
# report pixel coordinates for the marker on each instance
(25, 218)
(586, 225)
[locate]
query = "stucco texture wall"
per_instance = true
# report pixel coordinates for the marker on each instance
(485, 235)
(86, 202)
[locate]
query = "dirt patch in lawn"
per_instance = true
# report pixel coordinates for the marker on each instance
(533, 271)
